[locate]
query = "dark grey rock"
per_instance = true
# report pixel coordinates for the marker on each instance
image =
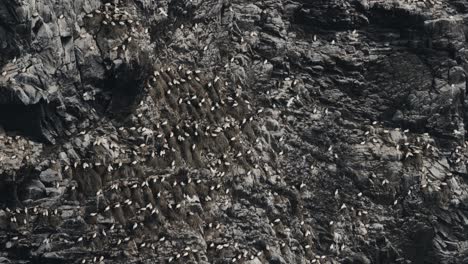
(35, 190)
(331, 131)
(50, 176)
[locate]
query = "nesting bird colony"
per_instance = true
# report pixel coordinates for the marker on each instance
(232, 132)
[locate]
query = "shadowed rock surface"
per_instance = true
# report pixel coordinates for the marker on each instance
(203, 131)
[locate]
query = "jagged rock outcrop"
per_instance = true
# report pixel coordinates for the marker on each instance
(233, 131)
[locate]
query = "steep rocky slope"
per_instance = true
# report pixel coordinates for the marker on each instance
(203, 131)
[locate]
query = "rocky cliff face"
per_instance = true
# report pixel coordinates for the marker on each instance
(215, 131)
